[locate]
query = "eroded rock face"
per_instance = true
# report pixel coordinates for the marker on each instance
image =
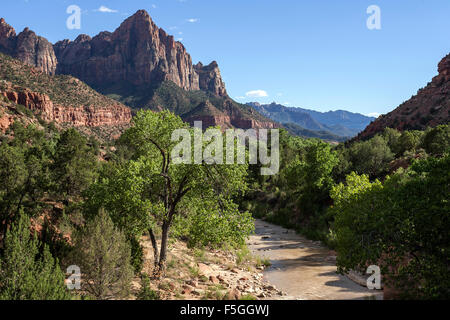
(428, 108)
(138, 52)
(6, 121)
(28, 47)
(86, 116)
(210, 78)
(7, 35)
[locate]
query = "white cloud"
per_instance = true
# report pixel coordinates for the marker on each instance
(192, 20)
(106, 9)
(374, 114)
(154, 6)
(257, 94)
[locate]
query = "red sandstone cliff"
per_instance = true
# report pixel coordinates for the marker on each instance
(138, 52)
(63, 100)
(88, 116)
(28, 47)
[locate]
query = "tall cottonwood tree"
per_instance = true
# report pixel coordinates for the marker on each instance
(161, 190)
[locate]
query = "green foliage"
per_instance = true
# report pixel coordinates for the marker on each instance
(309, 179)
(370, 157)
(24, 110)
(392, 137)
(74, 166)
(214, 224)
(150, 190)
(408, 141)
(401, 225)
(146, 293)
(137, 255)
(24, 171)
(123, 191)
(437, 140)
(25, 273)
(297, 130)
(103, 255)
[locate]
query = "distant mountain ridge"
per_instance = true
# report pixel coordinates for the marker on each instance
(338, 123)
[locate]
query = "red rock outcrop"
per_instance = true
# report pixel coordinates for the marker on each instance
(428, 108)
(28, 47)
(210, 78)
(88, 116)
(6, 121)
(138, 52)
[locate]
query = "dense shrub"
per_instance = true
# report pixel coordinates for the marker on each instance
(28, 270)
(103, 255)
(437, 140)
(211, 225)
(401, 225)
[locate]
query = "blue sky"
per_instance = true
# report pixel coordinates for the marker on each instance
(315, 54)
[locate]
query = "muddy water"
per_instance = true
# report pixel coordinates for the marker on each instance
(304, 269)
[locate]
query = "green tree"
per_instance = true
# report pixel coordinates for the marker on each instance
(401, 225)
(437, 140)
(75, 163)
(371, 157)
(103, 255)
(408, 141)
(392, 136)
(146, 293)
(171, 190)
(24, 172)
(310, 176)
(25, 273)
(122, 190)
(13, 176)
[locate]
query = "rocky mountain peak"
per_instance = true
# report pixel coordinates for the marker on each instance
(6, 31)
(7, 35)
(444, 66)
(210, 78)
(28, 47)
(82, 38)
(137, 52)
